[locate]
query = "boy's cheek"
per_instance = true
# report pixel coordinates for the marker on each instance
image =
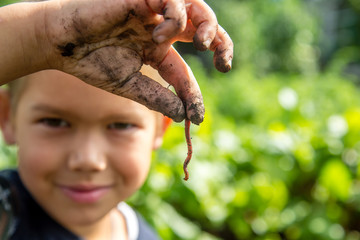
(134, 166)
(36, 160)
(31, 169)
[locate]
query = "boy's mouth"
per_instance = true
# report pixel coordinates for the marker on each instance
(85, 193)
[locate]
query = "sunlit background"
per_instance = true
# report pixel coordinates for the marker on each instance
(277, 156)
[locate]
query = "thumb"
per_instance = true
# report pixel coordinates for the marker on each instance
(153, 95)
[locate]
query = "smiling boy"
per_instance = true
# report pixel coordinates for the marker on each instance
(82, 151)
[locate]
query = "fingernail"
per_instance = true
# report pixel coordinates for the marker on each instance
(229, 63)
(188, 5)
(160, 39)
(207, 43)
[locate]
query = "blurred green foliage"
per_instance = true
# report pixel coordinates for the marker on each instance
(277, 156)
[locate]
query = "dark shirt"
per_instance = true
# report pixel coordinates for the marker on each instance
(22, 218)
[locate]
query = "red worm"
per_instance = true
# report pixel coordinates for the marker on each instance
(189, 153)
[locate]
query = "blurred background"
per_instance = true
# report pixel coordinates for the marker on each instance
(277, 156)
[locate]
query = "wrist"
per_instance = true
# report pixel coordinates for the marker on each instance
(22, 40)
(47, 37)
(44, 50)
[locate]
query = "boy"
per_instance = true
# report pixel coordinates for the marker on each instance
(82, 151)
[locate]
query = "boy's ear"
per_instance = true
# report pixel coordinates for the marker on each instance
(5, 122)
(164, 123)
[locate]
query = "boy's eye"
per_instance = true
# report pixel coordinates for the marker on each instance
(54, 122)
(120, 126)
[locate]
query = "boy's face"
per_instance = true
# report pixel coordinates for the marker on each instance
(81, 149)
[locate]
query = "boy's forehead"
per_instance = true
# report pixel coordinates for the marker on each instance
(152, 73)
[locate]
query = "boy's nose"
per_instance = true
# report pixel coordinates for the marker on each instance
(87, 156)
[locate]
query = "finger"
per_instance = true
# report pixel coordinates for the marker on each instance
(205, 33)
(176, 72)
(223, 48)
(174, 13)
(204, 20)
(153, 95)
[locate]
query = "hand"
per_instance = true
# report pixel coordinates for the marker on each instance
(105, 43)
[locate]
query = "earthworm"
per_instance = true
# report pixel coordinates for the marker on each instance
(189, 153)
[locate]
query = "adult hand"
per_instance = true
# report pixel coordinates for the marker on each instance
(105, 43)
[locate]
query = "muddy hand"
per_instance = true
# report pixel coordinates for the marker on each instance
(105, 43)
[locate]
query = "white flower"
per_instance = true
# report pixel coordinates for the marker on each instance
(288, 98)
(337, 126)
